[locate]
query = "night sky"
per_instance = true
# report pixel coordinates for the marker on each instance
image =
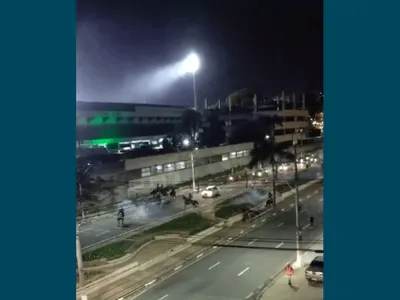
(123, 46)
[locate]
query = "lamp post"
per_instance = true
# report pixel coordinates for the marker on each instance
(191, 64)
(79, 258)
(297, 200)
(193, 178)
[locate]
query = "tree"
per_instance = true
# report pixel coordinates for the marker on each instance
(261, 132)
(215, 134)
(268, 151)
(190, 122)
(254, 130)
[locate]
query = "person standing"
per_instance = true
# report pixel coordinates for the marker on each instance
(289, 273)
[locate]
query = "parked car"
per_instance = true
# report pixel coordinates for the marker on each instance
(210, 191)
(315, 271)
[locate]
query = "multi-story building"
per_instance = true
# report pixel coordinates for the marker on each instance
(108, 123)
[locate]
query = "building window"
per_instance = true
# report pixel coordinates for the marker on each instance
(279, 131)
(225, 157)
(146, 172)
(232, 155)
(179, 165)
(214, 159)
(239, 154)
(246, 153)
(301, 119)
(158, 169)
(169, 167)
(289, 119)
(201, 161)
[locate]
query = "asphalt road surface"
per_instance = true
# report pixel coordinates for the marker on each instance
(233, 273)
(103, 229)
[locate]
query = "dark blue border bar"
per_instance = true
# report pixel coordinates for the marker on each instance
(361, 86)
(38, 149)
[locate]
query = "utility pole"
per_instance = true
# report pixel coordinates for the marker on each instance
(274, 167)
(193, 179)
(297, 201)
(79, 258)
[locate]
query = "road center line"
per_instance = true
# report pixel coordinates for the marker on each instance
(103, 232)
(163, 297)
(253, 241)
(214, 265)
(177, 268)
(306, 226)
(291, 205)
(278, 246)
(150, 283)
(282, 209)
(245, 270)
(308, 196)
(200, 255)
(263, 220)
(280, 224)
(83, 230)
(315, 192)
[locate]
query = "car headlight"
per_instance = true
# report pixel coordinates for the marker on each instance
(259, 174)
(230, 178)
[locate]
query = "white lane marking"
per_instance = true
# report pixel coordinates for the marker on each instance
(274, 214)
(178, 267)
(322, 199)
(308, 196)
(229, 238)
(242, 272)
(200, 255)
(315, 192)
(291, 205)
(263, 220)
(306, 226)
(215, 247)
(242, 231)
(278, 246)
(214, 265)
(253, 226)
(87, 229)
(103, 232)
(249, 295)
(255, 240)
(282, 209)
(163, 297)
(280, 224)
(230, 190)
(150, 283)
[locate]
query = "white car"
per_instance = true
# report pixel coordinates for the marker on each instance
(210, 191)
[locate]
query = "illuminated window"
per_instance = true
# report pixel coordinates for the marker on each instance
(146, 172)
(225, 157)
(180, 165)
(232, 155)
(246, 153)
(239, 154)
(158, 169)
(169, 167)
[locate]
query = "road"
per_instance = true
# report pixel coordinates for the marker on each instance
(103, 229)
(233, 273)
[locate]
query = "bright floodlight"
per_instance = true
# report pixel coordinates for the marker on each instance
(186, 142)
(191, 63)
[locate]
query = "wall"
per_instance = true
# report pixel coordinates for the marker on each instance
(185, 175)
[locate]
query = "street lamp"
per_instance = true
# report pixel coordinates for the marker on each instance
(192, 163)
(297, 200)
(191, 64)
(79, 257)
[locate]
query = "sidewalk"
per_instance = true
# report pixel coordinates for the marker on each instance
(300, 290)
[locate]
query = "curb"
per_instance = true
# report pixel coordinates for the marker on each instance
(186, 261)
(259, 291)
